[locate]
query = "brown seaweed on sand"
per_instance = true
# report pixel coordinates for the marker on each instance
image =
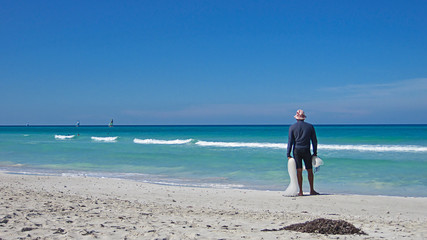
(322, 226)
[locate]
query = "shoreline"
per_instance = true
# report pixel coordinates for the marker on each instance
(162, 182)
(60, 207)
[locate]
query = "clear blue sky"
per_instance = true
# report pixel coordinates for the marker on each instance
(212, 62)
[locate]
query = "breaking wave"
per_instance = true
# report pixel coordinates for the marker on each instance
(155, 141)
(333, 147)
(241, 144)
(104, 139)
(375, 148)
(63, 137)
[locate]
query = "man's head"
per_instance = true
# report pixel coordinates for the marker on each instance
(300, 115)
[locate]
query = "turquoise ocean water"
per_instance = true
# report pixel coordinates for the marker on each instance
(359, 159)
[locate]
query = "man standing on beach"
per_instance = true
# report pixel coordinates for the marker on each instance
(300, 135)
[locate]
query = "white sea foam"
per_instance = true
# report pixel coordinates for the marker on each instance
(336, 147)
(241, 144)
(203, 185)
(368, 148)
(104, 139)
(63, 137)
(375, 148)
(155, 141)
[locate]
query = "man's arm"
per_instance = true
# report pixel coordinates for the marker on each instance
(291, 142)
(314, 142)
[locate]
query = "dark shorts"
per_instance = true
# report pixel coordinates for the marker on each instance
(303, 154)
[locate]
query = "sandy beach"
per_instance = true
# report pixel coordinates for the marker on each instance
(52, 207)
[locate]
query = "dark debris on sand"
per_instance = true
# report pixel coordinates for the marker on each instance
(322, 226)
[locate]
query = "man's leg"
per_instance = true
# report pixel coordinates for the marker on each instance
(311, 181)
(298, 160)
(299, 176)
(308, 165)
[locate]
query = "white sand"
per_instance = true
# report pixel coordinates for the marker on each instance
(44, 207)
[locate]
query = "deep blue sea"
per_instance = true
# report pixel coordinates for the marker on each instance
(358, 159)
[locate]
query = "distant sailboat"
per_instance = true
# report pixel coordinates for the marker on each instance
(111, 123)
(78, 124)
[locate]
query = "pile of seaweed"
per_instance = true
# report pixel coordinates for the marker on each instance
(322, 226)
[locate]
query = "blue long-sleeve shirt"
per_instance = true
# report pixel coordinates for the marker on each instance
(300, 134)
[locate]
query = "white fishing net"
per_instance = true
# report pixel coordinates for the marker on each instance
(317, 162)
(292, 189)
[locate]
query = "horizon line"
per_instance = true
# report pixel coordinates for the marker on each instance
(160, 125)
